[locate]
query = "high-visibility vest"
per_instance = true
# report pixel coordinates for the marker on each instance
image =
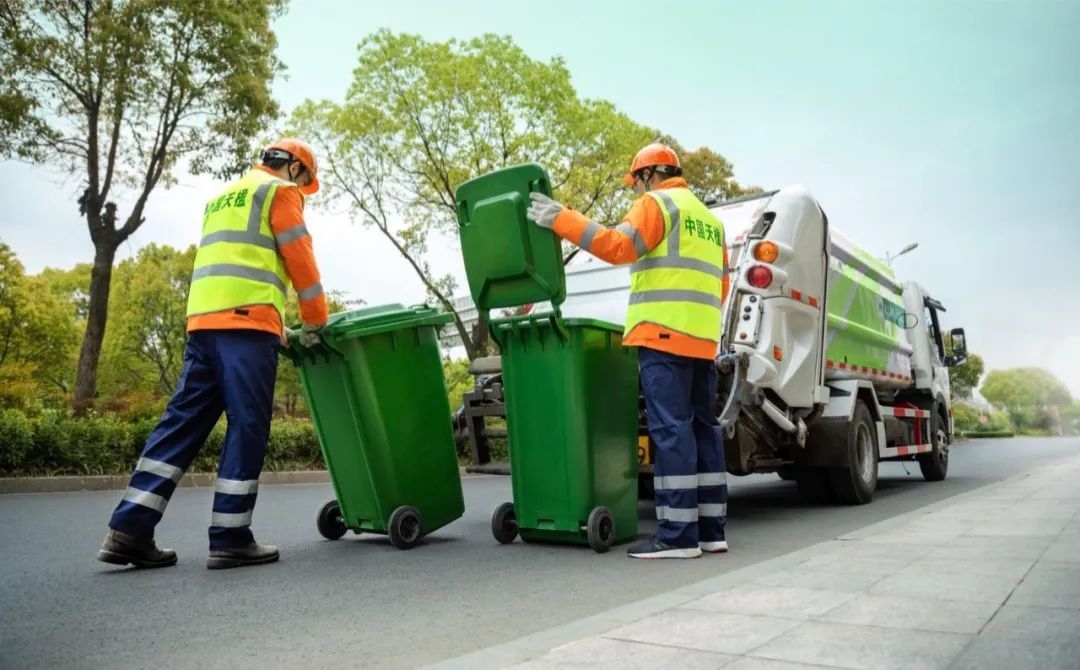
(238, 263)
(679, 284)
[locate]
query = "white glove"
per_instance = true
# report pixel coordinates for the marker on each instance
(543, 210)
(309, 335)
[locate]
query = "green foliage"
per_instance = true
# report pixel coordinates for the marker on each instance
(967, 419)
(56, 443)
(458, 381)
(38, 332)
(982, 434)
(1031, 396)
(1024, 387)
(144, 346)
(964, 378)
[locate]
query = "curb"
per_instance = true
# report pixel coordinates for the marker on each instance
(68, 484)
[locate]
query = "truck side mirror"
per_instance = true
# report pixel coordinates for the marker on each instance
(959, 348)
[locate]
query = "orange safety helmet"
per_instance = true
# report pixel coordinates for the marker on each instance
(301, 151)
(653, 155)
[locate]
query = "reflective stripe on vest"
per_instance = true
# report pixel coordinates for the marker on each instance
(679, 284)
(238, 263)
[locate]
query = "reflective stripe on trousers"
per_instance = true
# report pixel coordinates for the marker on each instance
(690, 481)
(226, 371)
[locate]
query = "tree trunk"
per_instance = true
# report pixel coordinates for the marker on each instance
(96, 318)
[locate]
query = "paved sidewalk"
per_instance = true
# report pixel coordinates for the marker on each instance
(986, 579)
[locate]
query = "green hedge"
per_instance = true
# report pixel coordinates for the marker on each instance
(986, 433)
(59, 444)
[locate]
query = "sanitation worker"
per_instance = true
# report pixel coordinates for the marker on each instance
(254, 245)
(677, 286)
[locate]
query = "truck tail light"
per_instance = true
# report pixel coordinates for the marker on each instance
(766, 252)
(759, 276)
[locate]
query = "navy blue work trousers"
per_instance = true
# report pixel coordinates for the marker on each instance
(225, 371)
(690, 478)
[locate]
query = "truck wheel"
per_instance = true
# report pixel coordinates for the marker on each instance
(855, 484)
(935, 464)
(814, 485)
(786, 473)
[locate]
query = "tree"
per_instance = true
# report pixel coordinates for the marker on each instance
(37, 335)
(119, 91)
(145, 345)
(421, 118)
(1026, 394)
(964, 378)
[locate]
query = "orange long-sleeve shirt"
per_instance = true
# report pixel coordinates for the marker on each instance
(640, 232)
(295, 247)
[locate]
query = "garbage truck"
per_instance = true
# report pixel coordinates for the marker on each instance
(829, 363)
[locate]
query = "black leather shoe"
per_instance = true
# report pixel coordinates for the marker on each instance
(121, 548)
(253, 554)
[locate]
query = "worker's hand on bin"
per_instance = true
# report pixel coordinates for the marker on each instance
(309, 335)
(543, 210)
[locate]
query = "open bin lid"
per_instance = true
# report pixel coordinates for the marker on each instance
(509, 260)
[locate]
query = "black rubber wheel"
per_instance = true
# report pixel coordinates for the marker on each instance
(786, 473)
(600, 529)
(855, 484)
(330, 524)
(935, 464)
(504, 523)
(406, 528)
(814, 486)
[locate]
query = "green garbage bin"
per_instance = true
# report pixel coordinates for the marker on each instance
(570, 387)
(377, 395)
(571, 393)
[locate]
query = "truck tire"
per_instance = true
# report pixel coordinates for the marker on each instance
(855, 484)
(935, 464)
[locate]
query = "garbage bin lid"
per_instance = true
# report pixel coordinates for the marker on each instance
(509, 260)
(383, 318)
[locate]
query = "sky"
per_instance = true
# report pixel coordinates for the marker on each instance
(954, 125)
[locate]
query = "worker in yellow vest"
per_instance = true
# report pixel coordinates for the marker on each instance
(678, 283)
(254, 245)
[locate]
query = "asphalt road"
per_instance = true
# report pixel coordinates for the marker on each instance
(359, 602)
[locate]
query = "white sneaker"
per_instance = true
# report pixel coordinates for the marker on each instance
(719, 547)
(654, 549)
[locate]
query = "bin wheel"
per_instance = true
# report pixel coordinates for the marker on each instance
(600, 529)
(405, 527)
(504, 523)
(331, 525)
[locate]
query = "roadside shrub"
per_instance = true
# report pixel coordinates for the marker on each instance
(56, 443)
(16, 438)
(978, 434)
